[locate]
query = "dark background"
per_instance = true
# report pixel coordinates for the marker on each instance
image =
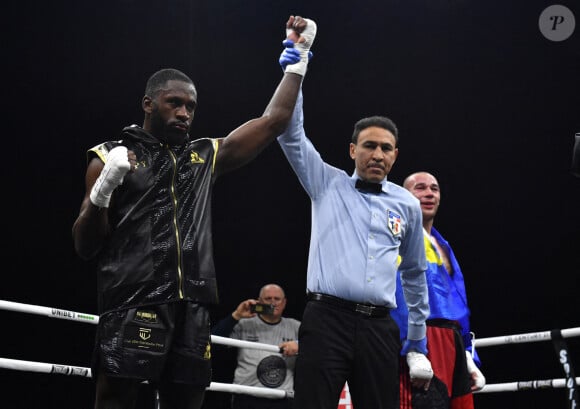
(481, 98)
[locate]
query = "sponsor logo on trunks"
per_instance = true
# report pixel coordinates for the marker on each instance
(207, 354)
(148, 317)
(394, 222)
(138, 337)
(144, 333)
(195, 158)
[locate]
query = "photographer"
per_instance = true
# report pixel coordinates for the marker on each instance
(261, 321)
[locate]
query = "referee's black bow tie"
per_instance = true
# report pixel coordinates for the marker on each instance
(368, 187)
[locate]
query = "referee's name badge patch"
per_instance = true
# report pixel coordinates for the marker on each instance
(394, 222)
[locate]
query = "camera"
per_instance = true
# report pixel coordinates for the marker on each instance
(266, 309)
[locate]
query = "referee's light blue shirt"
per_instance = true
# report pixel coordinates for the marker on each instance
(356, 237)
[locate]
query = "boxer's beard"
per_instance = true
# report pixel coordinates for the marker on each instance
(165, 133)
(173, 138)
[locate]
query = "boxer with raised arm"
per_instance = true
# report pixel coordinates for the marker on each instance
(146, 220)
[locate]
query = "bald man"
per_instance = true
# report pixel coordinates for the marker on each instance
(451, 352)
(257, 367)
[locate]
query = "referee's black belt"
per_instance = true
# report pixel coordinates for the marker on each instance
(364, 309)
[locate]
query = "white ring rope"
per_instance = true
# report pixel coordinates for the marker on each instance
(94, 319)
(49, 312)
(42, 367)
(526, 385)
(216, 339)
(267, 392)
(528, 337)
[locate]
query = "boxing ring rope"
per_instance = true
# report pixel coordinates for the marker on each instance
(526, 385)
(42, 367)
(524, 338)
(268, 392)
(94, 319)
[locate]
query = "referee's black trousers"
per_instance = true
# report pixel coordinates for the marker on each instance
(338, 346)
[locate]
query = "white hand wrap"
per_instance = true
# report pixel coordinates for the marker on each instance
(476, 375)
(308, 34)
(419, 366)
(111, 176)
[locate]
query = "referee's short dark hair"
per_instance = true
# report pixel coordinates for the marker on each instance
(378, 121)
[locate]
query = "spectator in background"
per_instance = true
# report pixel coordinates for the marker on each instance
(259, 367)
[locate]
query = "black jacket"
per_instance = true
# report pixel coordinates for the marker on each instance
(160, 249)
